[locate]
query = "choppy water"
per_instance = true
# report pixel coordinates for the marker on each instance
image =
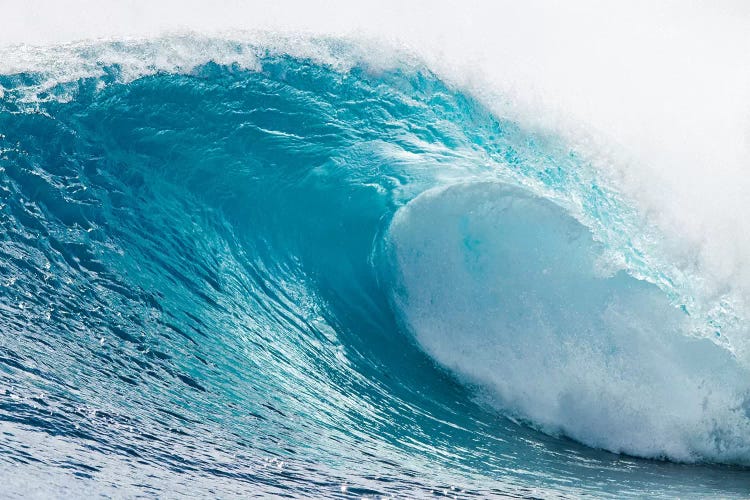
(256, 273)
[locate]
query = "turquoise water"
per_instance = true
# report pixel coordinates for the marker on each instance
(286, 278)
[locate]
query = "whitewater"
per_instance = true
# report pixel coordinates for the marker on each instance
(325, 250)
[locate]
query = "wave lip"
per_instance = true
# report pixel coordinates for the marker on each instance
(508, 291)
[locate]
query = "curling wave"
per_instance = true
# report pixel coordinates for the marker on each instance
(280, 264)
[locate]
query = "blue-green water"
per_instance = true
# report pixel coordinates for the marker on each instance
(297, 280)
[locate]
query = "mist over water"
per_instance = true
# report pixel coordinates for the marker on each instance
(339, 250)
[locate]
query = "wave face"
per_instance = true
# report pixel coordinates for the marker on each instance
(264, 271)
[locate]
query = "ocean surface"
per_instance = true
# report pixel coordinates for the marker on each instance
(262, 268)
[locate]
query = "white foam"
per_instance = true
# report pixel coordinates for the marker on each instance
(505, 290)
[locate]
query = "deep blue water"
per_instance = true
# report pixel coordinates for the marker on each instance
(293, 280)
